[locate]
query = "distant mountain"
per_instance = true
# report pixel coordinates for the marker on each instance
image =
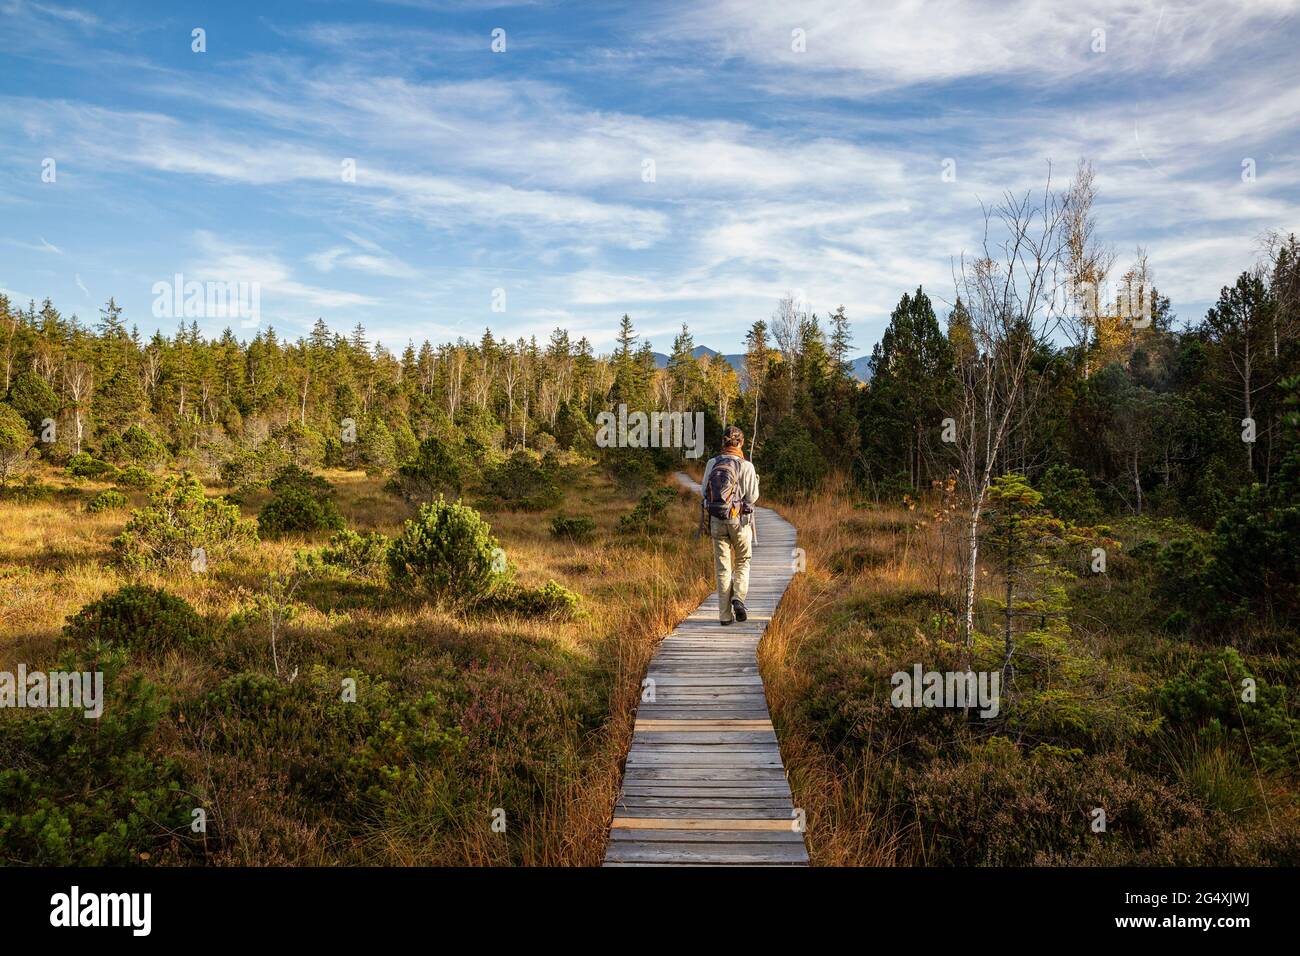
(700, 351)
(861, 368)
(859, 365)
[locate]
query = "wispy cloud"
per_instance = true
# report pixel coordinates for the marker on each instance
(685, 162)
(220, 260)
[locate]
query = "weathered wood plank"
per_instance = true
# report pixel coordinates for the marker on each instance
(705, 836)
(733, 776)
(668, 822)
(685, 792)
(629, 801)
(690, 853)
(704, 738)
(703, 725)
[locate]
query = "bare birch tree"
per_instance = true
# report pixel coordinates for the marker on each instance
(1012, 294)
(1087, 260)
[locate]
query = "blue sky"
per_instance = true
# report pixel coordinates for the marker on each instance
(814, 171)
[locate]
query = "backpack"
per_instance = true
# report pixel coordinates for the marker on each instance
(722, 494)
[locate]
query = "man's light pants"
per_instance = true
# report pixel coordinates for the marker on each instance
(732, 549)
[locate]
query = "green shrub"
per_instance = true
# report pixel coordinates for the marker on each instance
(135, 446)
(376, 448)
(1183, 582)
(134, 477)
(301, 445)
(30, 491)
(78, 792)
(16, 445)
(178, 520)
(579, 528)
(367, 443)
(438, 466)
(353, 553)
(633, 470)
(254, 467)
(1255, 561)
(797, 465)
(107, 500)
(365, 758)
(138, 617)
(522, 483)
(296, 510)
(647, 516)
(293, 476)
(1067, 493)
(32, 398)
(481, 434)
(552, 601)
(448, 552)
(573, 430)
(1207, 697)
(85, 465)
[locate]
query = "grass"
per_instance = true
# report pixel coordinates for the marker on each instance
(537, 713)
(884, 786)
(465, 719)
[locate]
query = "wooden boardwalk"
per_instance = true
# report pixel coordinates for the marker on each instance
(704, 783)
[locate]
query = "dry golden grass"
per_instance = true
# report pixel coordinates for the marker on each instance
(882, 587)
(55, 558)
(854, 553)
(842, 822)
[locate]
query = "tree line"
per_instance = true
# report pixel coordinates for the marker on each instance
(1039, 368)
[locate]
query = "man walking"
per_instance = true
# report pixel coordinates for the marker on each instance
(730, 488)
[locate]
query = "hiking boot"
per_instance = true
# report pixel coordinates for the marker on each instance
(739, 610)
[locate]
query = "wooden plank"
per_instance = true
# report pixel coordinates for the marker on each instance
(704, 725)
(705, 836)
(764, 750)
(685, 680)
(686, 791)
(704, 738)
(628, 801)
(732, 776)
(771, 815)
(738, 854)
(700, 823)
(697, 762)
(719, 712)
